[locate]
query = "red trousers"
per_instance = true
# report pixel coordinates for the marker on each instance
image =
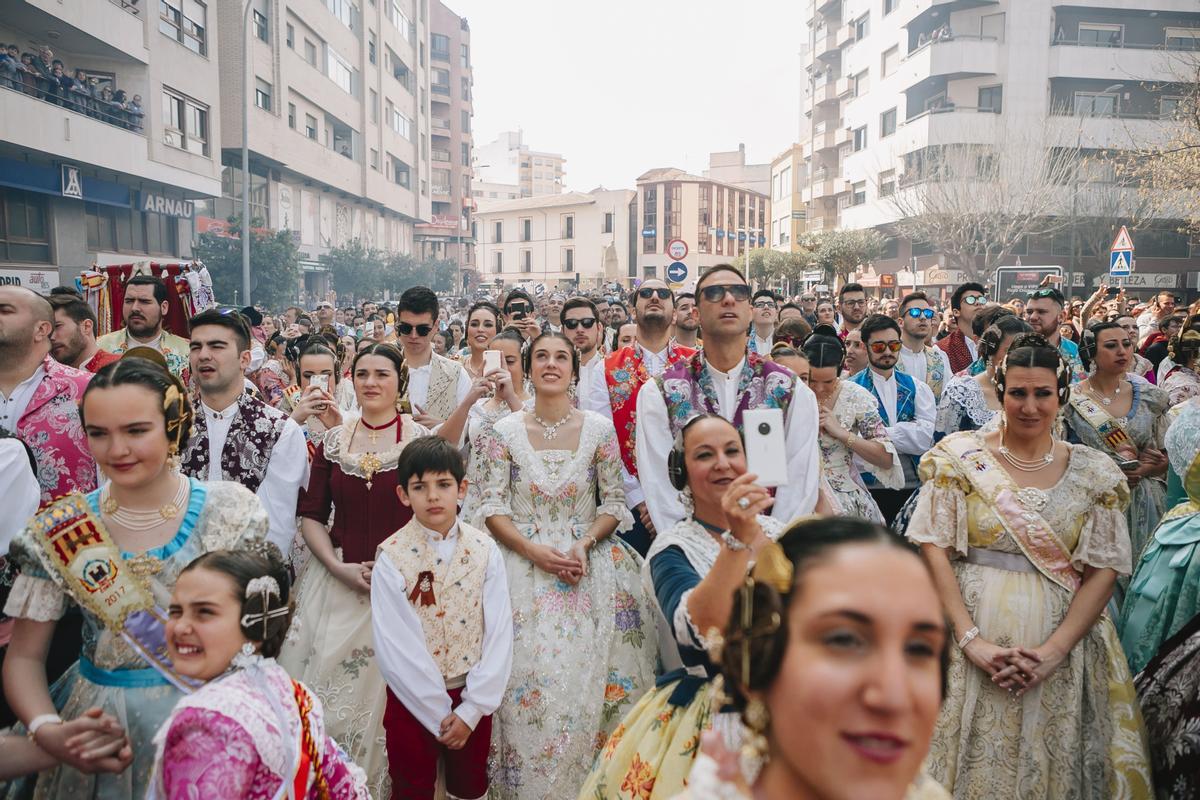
(413, 754)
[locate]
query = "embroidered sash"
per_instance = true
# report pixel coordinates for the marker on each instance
(77, 547)
(1026, 526)
(906, 411)
(625, 374)
(1110, 429)
(247, 451)
(687, 389)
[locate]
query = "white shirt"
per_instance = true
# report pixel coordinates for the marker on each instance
(418, 385)
(655, 363)
(403, 656)
(287, 472)
(21, 495)
(14, 406)
(763, 346)
(916, 363)
(911, 438)
(654, 441)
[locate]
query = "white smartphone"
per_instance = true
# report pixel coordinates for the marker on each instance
(320, 381)
(491, 361)
(766, 446)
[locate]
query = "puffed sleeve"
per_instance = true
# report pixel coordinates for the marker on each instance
(232, 516)
(316, 502)
(869, 425)
(1156, 403)
(345, 779)
(940, 517)
(494, 477)
(608, 475)
(207, 754)
(36, 594)
(1104, 538)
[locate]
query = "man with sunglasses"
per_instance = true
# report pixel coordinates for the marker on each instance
(917, 358)
(852, 305)
(1044, 313)
(581, 324)
(725, 378)
(906, 405)
(436, 385)
(808, 307)
(959, 345)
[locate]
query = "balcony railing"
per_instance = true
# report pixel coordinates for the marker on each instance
(1190, 46)
(128, 6)
(73, 98)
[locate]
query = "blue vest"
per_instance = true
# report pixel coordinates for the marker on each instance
(906, 407)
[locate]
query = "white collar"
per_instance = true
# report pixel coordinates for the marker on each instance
(737, 369)
(875, 376)
(227, 413)
(35, 377)
(645, 351)
(434, 535)
(919, 352)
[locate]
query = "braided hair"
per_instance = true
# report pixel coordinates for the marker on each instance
(991, 339)
(1034, 351)
(134, 371)
(255, 559)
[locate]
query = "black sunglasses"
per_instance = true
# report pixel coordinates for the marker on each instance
(649, 291)
(572, 324)
(715, 294)
(406, 329)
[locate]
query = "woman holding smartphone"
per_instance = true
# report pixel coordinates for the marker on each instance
(483, 322)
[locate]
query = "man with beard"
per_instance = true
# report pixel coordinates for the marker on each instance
(687, 324)
(852, 305)
(237, 437)
(959, 345)
(1044, 312)
(625, 372)
(144, 309)
(917, 358)
(618, 315)
(726, 379)
(73, 341)
(581, 324)
(905, 404)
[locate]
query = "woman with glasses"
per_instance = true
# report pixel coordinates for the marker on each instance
(483, 323)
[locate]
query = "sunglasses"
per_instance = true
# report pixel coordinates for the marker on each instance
(572, 324)
(882, 347)
(978, 299)
(917, 313)
(715, 294)
(650, 291)
(406, 329)
(1040, 293)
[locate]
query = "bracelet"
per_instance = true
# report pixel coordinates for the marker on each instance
(968, 637)
(37, 722)
(732, 542)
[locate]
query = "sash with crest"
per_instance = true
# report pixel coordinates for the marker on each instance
(1110, 429)
(1019, 510)
(75, 545)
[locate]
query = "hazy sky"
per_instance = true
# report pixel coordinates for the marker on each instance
(622, 86)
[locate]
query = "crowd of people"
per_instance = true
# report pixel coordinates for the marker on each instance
(517, 547)
(45, 77)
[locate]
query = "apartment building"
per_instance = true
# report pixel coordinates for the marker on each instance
(509, 161)
(84, 180)
(564, 241)
(339, 123)
(787, 208)
(890, 82)
(716, 221)
(730, 167)
(447, 234)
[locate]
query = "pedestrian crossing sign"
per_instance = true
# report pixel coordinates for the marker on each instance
(1120, 263)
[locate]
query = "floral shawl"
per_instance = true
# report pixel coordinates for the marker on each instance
(625, 374)
(688, 390)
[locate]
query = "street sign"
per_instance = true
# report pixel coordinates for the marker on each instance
(1120, 263)
(1123, 240)
(677, 249)
(677, 272)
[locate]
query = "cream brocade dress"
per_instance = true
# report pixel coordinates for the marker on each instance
(1079, 734)
(858, 412)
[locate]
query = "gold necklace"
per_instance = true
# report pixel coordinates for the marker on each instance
(140, 519)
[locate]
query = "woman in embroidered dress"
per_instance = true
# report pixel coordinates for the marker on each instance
(1136, 411)
(1168, 690)
(584, 648)
(850, 426)
(153, 522)
(312, 406)
(1025, 536)
(969, 402)
(272, 377)
(354, 481)
(250, 729)
(1181, 381)
(693, 570)
(835, 655)
(483, 322)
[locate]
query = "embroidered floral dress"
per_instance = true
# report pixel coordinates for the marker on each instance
(582, 654)
(858, 412)
(238, 736)
(962, 407)
(109, 674)
(1077, 735)
(480, 420)
(1182, 384)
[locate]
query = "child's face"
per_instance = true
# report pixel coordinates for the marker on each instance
(433, 497)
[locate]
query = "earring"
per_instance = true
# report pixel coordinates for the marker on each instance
(173, 458)
(248, 649)
(755, 750)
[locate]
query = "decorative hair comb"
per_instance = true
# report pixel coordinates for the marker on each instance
(266, 586)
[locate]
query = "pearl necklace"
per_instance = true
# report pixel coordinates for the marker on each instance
(1105, 400)
(140, 519)
(550, 429)
(1028, 465)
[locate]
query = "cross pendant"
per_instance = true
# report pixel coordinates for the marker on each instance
(373, 436)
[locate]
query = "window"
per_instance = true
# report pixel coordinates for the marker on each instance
(399, 122)
(292, 116)
(339, 70)
(401, 174)
(310, 52)
(498, 231)
(128, 231)
(649, 271)
(650, 219)
(374, 159)
(439, 46)
(887, 123)
(889, 6)
(498, 262)
(860, 138)
(185, 123)
(526, 260)
(24, 234)
(374, 95)
(466, 88)
(858, 193)
(861, 83)
(291, 36)
(1095, 104)
(1168, 106)
(310, 126)
(185, 21)
(608, 222)
(441, 181)
(262, 94)
(1182, 38)
(1162, 244)
(260, 26)
(704, 219)
(890, 60)
(1101, 35)
(861, 27)
(400, 71)
(465, 152)
(568, 259)
(465, 57)
(887, 183)
(568, 226)
(400, 20)
(526, 229)
(466, 121)
(372, 47)
(439, 80)
(991, 98)
(672, 211)
(344, 10)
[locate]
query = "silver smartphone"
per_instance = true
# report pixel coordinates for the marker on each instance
(491, 361)
(320, 381)
(766, 446)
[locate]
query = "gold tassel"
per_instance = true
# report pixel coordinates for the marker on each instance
(773, 568)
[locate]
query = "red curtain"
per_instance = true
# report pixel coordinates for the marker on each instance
(179, 298)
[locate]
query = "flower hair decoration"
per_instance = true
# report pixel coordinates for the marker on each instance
(265, 586)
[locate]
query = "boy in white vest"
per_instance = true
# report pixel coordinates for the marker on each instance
(443, 631)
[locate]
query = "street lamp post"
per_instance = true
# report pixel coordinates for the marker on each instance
(246, 152)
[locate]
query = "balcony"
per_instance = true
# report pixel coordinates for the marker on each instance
(1112, 63)
(1118, 132)
(950, 59)
(89, 27)
(952, 125)
(923, 12)
(825, 93)
(439, 126)
(830, 139)
(845, 86)
(845, 35)
(824, 188)
(827, 45)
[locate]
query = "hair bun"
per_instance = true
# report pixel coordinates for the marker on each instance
(1031, 340)
(824, 330)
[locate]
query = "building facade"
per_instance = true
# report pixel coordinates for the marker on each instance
(447, 234)
(787, 209)
(508, 161)
(731, 167)
(339, 122)
(715, 221)
(890, 84)
(562, 241)
(84, 177)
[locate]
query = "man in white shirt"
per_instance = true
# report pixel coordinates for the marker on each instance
(1161, 307)
(766, 314)
(237, 437)
(710, 382)
(686, 322)
(905, 404)
(436, 385)
(581, 324)
(554, 309)
(922, 361)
